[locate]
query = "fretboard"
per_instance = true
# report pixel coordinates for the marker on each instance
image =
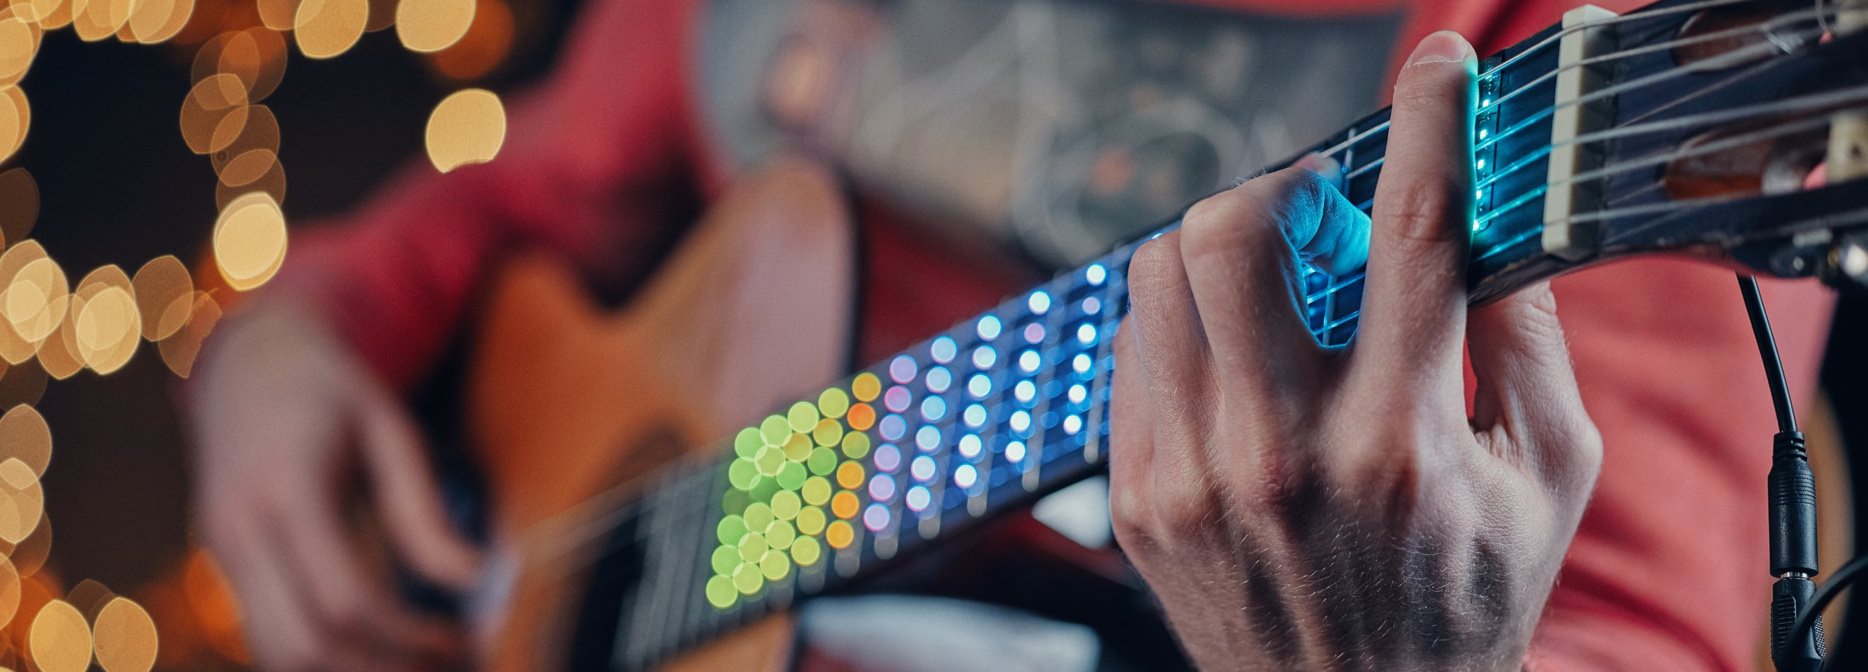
(1013, 403)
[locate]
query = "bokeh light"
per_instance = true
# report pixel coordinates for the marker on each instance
(19, 204)
(25, 436)
(250, 241)
(160, 285)
(215, 113)
(22, 501)
(19, 43)
(156, 21)
(467, 127)
(9, 591)
(255, 56)
(432, 25)
(326, 28)
(61, 639)
(106, 323)
(15, 121)
(125, 637)
(33, 300)
(180, 349)
(487, 44)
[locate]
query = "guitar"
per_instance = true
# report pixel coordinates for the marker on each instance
(1690, 126)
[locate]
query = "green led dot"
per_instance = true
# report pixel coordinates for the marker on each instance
(797, 448)
(764, 489)
(779, 535)
(747, 442)
(758, 517)
(769, 460)
(791, 476)
(785, 505)
(734, 501)
(833, 402)
(730, 529)
(822, 461)
(747, 579)
(827, 432)
(804, 551)
(856, 445)
(816, 490)
(775, 565)
(774, 430)
(725, 558)
(742, 473)
(802, 416)
(752, 546)
(721, 593)
(811, 521)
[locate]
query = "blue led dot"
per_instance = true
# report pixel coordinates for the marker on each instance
(922, 468)
(902, 369)
(965, 476)
(1015, 451)
(882, 487)
(1086, 333)
(1081, 363)
(1039, 302)
(943, 349)
(1028, 361)
(933, 409)
(1480, 164)
(876, 517)
(898, 398)
(1020, 421)
(969, 446)
(1092, 305)
(939, 378)
(927, 438)
(1025, 391)
(979, 385)
(892, 427)
(1096, 274)
(988, 328)
(984, 357)
(1483, 133)
(1077, 394)
(1034, 333)
(888, 457)
(1072, 424)
(975, 415)
(918, 498)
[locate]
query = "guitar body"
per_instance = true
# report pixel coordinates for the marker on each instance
(569, 406)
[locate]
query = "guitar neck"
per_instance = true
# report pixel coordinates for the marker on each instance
(1013, 403)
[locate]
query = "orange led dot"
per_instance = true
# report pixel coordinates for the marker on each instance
(850, 475)
(844, 504)
(840, 535)
(862, 417)
(866, 386)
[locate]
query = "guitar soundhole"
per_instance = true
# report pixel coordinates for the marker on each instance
(1716, 32)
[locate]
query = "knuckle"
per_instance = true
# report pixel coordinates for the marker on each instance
(1424, 211)
(1155, 267)
(1128, 516)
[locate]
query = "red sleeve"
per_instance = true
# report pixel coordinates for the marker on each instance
(589, 165)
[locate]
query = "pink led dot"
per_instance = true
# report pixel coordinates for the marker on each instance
(897, 398)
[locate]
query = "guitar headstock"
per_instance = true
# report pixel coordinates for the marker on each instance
(1731, 130)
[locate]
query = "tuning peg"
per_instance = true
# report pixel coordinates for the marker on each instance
(1846, 264)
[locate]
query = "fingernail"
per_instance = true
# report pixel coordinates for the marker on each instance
(1327, 167)
(1442, 47)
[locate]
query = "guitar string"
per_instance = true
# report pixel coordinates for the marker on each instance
(1765, 27)
(587, 527)
(1553, 39)
(1843, 96)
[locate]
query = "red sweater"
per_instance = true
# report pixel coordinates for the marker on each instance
(1667, 570)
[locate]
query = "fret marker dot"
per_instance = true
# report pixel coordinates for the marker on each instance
(988, 328)
(1034, 333)
(1086, 334)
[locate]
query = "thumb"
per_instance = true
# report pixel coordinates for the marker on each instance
(408, 498)
(1527, 388)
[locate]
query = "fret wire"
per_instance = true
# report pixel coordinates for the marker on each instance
(686, 522)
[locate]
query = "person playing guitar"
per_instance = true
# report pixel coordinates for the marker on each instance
(1579, 504)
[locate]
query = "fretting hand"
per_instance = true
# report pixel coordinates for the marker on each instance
(1296, 507)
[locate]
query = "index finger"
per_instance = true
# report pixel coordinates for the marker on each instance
(1414, 308)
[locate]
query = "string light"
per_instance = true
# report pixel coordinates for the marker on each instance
(327, 28)
(467, 127)
(60, 639)
(432, 25)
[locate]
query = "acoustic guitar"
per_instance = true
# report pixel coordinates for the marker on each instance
(653, 502)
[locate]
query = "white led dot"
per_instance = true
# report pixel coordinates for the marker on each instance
(1095, 274)
(1081, 363)
(975, 415)
(1019, 421)
(988, 328)
(1078, 393)
(965, 476)
(979, 385)
(1040, 302)
(1025, 390)
(943, 349)
(1015, 451)
(984, 357)
(1086, 333)
(969, 446)
(1072, 424)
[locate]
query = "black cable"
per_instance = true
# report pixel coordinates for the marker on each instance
(1767, 349)
(1792, 494)
(1828, 593)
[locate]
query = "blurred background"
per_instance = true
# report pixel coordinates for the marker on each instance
(123, 134)
(152, 155)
